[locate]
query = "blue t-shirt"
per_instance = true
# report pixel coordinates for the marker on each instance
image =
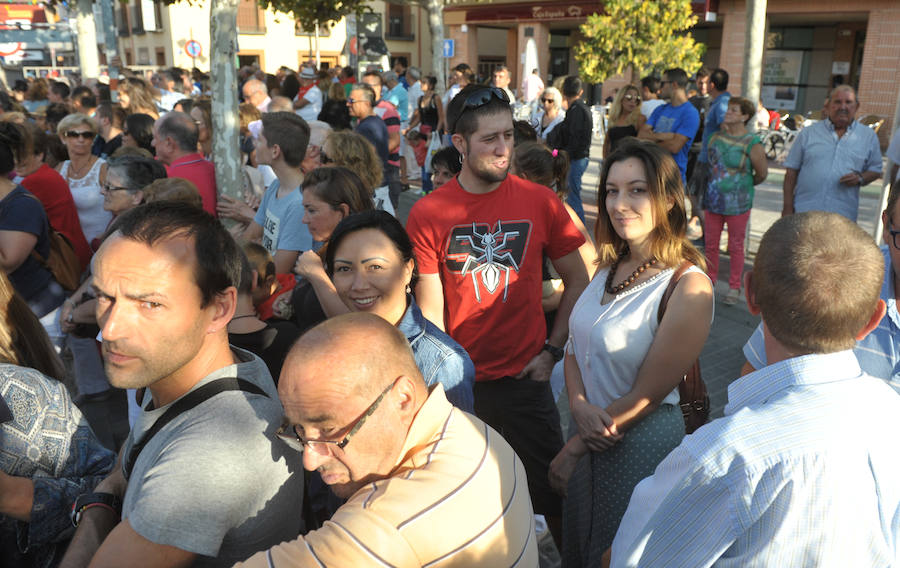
(25, 214)
(683, 119)
(282, 221)
(374, 130)
(400, 99)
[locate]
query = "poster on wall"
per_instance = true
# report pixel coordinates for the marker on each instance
(781, 79)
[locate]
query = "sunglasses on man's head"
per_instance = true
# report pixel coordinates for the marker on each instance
(481, 97)
(86, 134)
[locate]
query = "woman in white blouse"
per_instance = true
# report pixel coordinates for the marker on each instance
(550, 112)
(623, 367)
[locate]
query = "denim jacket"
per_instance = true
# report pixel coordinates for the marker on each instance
(439, 357)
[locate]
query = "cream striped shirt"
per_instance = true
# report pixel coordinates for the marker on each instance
(457, 497)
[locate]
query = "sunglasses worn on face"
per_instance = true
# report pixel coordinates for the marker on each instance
(86, 134)
(546, 100)
(288, 433)
(107, 188)
(632, 98)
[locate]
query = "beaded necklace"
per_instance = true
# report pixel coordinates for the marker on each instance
(614, 290)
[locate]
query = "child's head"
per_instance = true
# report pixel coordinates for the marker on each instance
(414, 137)
(264, 265)
(536, 162)
(445, 165)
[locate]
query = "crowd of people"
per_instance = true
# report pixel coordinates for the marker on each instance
(318, 376)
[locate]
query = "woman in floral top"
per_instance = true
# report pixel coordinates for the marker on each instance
(736, 164)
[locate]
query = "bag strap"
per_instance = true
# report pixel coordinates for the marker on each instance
(34, 253)
(679, 272)
(184, 404)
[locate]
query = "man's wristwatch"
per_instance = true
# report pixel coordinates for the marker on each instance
(862, 180)
(87, 500)
(556, 352)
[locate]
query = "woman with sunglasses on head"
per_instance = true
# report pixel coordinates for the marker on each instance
(625, 118)
(550, 112)
(85, 173)
(370, 261)
(622, 365)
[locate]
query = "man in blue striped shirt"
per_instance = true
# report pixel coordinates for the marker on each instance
(803, 469)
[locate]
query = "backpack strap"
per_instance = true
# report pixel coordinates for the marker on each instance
(184, 404)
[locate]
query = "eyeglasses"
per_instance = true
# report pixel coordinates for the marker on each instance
(288, 434)
(894, 236)
(632, 98)
(107, 188)
(85, 135)
(323, 157)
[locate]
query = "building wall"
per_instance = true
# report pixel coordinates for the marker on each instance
(879, 82)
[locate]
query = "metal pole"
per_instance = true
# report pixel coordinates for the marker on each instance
(753, 52)
(110, 39)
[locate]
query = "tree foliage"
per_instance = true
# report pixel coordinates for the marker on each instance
(326, 13)
(648, 35)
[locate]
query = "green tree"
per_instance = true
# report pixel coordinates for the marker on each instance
(325, 13)
(646, 35)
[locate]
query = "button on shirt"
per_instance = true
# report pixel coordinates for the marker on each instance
(878, 353)
(803, 470)
(822, 158)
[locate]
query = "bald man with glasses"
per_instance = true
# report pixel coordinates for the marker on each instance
(425, 483)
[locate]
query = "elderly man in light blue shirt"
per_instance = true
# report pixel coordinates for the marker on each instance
(803, 469)
(831, 159)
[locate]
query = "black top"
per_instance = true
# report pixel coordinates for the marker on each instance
(702, 106)
(428, 115)
(271, 343)
(574, 134)
(336, 114)
(104, 149)
(616, 133)
(307, 311)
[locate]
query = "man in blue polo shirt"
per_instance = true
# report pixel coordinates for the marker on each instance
(673, 125)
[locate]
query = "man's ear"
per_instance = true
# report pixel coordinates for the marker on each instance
(880, 310)
(459, 143)
(750, 293)
(223, 306)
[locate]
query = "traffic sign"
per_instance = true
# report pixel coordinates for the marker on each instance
(449, 47)
(193, 48)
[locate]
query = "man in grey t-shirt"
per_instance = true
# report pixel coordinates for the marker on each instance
(211, 486)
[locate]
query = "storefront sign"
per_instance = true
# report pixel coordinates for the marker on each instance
(781, 78)
(530, 12)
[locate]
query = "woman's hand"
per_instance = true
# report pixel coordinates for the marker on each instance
(563, 465)
(309, 266)
(597, 429)
(65, 316)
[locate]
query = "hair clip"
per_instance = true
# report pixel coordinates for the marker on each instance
(555, 152)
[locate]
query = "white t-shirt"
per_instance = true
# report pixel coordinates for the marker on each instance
(311, 111)
(647, 107)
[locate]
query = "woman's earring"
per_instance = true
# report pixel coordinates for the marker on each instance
(408, 289)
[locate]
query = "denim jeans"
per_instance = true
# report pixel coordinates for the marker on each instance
(576, 171)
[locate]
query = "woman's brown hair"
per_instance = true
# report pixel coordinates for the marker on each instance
(23, 341)
(354, 152)
(668, 241)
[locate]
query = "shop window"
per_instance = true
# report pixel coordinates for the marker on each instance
(124, 26)
(251, 19)
(399, 21)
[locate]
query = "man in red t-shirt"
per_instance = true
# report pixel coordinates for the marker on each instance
(175, 138)
(480, 241)
(51, 189)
